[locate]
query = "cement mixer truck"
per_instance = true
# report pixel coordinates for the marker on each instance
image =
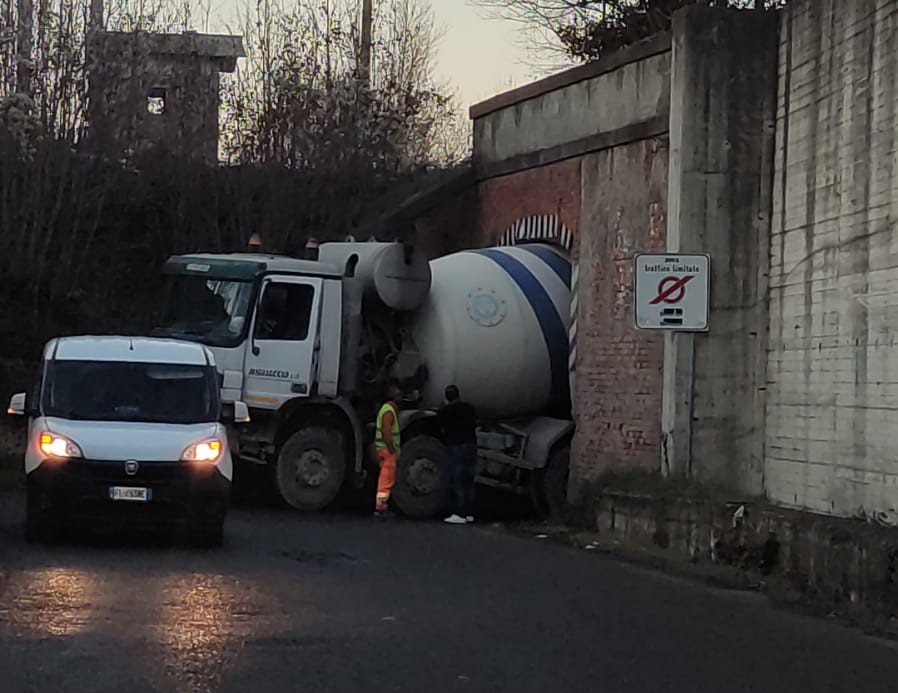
(309, 345)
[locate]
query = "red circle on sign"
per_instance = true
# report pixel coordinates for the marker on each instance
(676, 295)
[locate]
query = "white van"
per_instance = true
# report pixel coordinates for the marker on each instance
(124, 430)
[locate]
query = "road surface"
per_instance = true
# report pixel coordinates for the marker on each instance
(347, 603)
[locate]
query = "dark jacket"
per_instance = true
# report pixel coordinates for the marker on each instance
(458, 422)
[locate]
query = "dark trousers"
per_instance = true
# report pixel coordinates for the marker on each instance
(464, 469)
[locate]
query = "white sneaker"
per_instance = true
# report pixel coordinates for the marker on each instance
(469, 518)
(455, 520)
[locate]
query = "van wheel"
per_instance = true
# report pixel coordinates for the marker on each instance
(548, 486)
(311, 466)
(422, 478)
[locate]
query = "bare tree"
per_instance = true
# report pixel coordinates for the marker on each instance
(584, 30)
(299, 99)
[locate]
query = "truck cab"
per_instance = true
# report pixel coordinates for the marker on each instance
(308, 345)
(271, 305)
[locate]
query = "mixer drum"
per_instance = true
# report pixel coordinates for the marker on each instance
(495, 323)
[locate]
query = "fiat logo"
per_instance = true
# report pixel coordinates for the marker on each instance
(131, 467)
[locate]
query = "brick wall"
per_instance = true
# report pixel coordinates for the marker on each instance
(548, 190)
(619, 369)
(724, 67)
(589, 147)
(832, 407)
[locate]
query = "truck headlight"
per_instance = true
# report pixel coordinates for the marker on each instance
(204, 451)
(58, 446)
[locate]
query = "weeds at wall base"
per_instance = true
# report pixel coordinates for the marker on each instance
(836, 568)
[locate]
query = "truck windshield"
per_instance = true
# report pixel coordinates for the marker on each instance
(210, 311)
(145, 392)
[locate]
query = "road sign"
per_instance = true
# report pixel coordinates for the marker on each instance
(672, 292)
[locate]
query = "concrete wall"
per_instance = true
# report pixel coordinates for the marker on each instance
(724, 68)
(633, 93)
(832, 414)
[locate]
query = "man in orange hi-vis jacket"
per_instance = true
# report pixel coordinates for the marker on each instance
(387, 445)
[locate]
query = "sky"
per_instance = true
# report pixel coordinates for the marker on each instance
(478, 55)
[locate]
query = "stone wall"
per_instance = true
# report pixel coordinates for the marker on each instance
(832, 410)
(619, 369)
(552, 190)
(585, 151)
(158, 90)
(774, 135)
(836, 567)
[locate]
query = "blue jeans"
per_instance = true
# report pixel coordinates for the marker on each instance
(464, 469)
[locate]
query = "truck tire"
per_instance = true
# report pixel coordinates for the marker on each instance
(311, 466)
(548, 486)
(422, 478)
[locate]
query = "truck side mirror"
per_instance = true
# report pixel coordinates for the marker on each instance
(18, 405)
(235, 413)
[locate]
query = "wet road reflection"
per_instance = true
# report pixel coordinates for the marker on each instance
(340, 605)
(50, 602)
(197, 631)
(183, 631)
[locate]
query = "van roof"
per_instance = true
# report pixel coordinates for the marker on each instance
(125, 349)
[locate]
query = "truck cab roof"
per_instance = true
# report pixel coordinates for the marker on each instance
(246, 266)
(128, 349)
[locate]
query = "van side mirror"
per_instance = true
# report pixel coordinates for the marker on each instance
(235, 413)
(18, 405)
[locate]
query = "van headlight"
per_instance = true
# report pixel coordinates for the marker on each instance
(204, 451)
(60, 447)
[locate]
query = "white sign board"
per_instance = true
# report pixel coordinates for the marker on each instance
(672, 292)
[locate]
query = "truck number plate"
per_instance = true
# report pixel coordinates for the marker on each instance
(130, 493)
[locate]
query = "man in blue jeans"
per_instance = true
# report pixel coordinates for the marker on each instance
(458, 423)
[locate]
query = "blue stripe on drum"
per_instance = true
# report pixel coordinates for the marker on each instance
(546, 314)
(559, 265)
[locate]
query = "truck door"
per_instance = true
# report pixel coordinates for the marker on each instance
(282, 359)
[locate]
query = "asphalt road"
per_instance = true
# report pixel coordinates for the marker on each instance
(347, 603)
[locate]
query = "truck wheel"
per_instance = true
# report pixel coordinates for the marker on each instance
(311, 466)
(422, 478)
(548, 486)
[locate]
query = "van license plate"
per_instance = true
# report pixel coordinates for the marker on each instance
(129, 493)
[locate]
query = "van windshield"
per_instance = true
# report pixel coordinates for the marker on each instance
(145, 392)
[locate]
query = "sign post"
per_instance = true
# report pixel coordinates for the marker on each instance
(672, 292)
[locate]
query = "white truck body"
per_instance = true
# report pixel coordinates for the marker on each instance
(309, 345)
